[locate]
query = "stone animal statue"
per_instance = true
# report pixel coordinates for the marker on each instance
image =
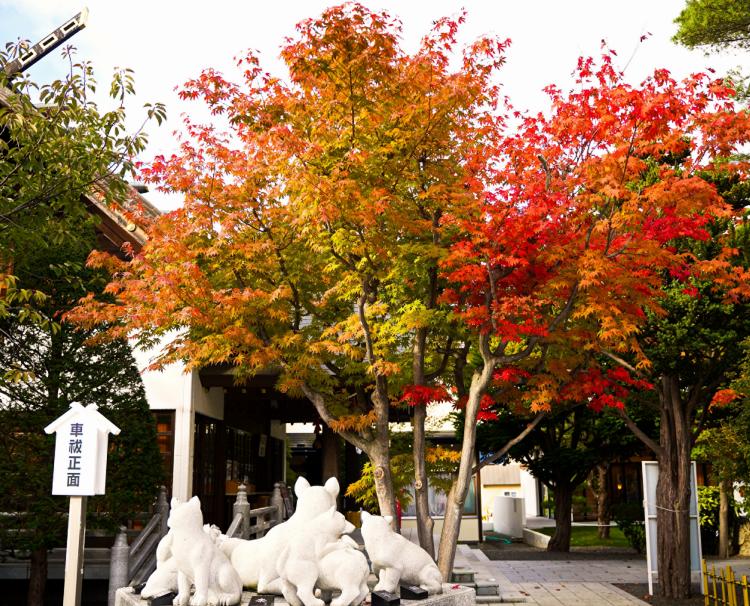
(396, 559)
(164, 579)
(344, 568)
(199, 561)
(255, 561)
(299, 564)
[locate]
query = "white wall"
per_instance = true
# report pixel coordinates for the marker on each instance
(468, 531)
(529, 492)
(174, 389)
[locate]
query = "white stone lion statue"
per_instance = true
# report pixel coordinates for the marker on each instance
(199, 561)
(395, 558)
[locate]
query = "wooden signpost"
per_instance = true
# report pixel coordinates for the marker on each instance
(80, 470)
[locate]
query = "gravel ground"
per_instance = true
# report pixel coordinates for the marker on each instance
(640, 590)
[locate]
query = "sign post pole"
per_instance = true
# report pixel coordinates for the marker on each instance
(80, 470)
(74, 551)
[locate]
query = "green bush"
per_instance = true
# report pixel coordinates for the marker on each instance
(581, 505)
(548, 504)
(629, 518)
(708, 508)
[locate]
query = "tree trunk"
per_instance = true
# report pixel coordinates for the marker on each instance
(330, 453)
(375, 446)
(673, 494)
(460, 488)
(383, 481)
(560, 541)
(603, 510)
(425, 523)
(725, 487)
(37, 577)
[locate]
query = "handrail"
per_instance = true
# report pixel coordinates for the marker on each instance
(262, 511)
(235, 528)
(149, 528)
(137, 562)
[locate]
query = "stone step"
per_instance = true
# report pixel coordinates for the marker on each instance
(503, 599)
(512, 596)
(486, 588)
(463, 576)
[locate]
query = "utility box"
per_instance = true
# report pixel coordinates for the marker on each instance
(509, 516)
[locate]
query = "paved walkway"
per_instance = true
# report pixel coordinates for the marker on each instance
(556, 582)
(575, 582)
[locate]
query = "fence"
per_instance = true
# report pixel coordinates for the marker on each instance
(723, 589)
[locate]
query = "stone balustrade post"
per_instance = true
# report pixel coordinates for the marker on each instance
(118, 565)
(162, 507)
(278, 501)
(242, 506)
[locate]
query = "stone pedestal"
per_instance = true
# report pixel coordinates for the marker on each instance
(451, 596)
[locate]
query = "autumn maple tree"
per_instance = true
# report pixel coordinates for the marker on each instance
(594, 203)
(317, 212)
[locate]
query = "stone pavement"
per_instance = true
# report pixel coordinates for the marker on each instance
(556, 582)
(568, 582)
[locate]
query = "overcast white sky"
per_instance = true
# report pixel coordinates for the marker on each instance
(168, 41)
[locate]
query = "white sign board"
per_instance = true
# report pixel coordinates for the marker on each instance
(80, 451)
(650, 471)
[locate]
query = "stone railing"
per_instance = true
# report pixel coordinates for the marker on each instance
(133, 564)
(254, 523)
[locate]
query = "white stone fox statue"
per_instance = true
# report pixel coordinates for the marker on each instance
(395, 558)
(255, 561)
(318, 557)
(199, 561)
(164, 578)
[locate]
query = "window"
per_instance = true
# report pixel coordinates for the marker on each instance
(438, 502)
(239, 462)
(165, 439)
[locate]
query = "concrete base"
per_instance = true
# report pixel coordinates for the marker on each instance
(535, 539)
(451, 596)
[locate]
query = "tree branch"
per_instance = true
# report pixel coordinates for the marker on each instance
(511, 443)
(320, 406)
(629, 367)
(639, 433)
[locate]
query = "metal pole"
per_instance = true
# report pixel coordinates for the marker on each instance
(74, 551)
